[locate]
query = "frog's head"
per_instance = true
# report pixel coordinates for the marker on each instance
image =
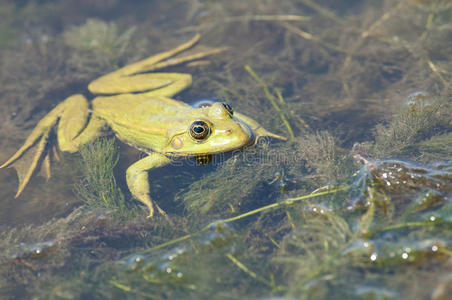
(212, 129)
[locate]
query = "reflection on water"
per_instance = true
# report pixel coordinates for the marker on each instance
(364, 87)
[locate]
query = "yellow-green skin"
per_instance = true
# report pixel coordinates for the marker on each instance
(141, 113)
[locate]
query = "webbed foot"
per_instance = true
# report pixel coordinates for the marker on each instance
(69, 119)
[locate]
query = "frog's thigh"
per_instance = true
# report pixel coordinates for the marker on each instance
(179, 82)
(73, 130)
(137, 178)
(162, 84)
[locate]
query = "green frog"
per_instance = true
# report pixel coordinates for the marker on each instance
(136, 105)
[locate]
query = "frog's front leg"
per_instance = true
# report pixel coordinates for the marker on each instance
(258, 130)
(137, 179)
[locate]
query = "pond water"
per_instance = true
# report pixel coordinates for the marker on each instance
(356, 204)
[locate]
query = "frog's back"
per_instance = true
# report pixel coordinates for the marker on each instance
(136, 104)
(140, 120)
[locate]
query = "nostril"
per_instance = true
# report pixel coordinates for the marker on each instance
(228, 131)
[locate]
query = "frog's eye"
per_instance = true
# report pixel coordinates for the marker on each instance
(199, 130)
(228, 108)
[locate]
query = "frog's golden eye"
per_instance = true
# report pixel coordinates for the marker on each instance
(199, 130)
(228, 108)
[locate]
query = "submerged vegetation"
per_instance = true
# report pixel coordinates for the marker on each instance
(420, 115)
(98, 188)
(97, 45)
(356, 205)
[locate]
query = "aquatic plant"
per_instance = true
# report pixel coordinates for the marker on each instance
(415, 122)
(248, 173)
(437, 147)
(98, 187)
(97, 45)
(53, 257)
(322, 155)
(97, 36)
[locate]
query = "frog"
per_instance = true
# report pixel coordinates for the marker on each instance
(135, 103)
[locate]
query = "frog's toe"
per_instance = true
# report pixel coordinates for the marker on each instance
(138, 183)
(29, 157)
(66, 120)
(261, 132)
(163, 213)
(151, 210)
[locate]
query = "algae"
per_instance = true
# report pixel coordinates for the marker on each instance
(97, 45)
(98, 188)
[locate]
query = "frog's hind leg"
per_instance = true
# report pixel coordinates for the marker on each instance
(136, 77)
(162, 60)
(71, 117)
